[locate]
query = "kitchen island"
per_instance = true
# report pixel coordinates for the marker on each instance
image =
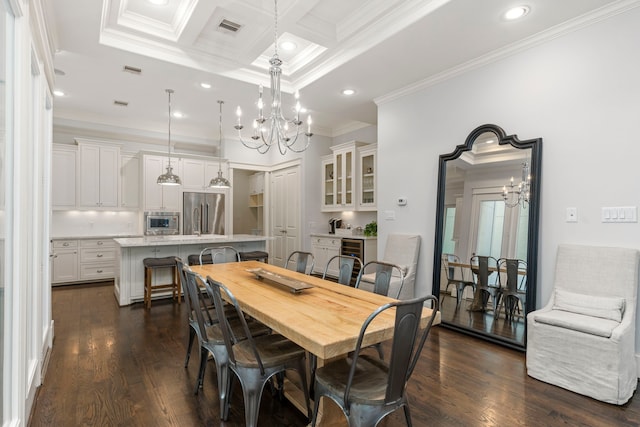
(129, 281)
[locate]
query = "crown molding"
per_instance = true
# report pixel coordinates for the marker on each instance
(542, 37)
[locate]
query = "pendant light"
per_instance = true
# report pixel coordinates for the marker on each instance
(169, 178)
(220, 181)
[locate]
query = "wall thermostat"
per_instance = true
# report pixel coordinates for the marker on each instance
(402, 201)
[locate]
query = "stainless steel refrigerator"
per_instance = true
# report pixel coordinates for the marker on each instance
(203, 213)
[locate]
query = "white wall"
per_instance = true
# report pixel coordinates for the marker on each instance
(579, 92)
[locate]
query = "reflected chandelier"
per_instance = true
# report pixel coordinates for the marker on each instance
(274, 129)
(518, 194)
(169, 178)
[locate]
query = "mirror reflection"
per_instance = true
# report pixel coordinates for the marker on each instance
(484, 234)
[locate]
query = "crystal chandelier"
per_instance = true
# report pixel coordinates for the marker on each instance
(169, 178)
(274, 129)
(220, 181)
(518, 194)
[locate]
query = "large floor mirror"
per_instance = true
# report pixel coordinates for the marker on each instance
(487, 235)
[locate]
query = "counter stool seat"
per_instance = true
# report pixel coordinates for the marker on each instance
(150, 264)
(255, 256)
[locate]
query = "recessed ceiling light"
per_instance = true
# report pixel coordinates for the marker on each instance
(178, 114)
(516, 13)
(288, 45)
(159, 2)
(58, 93)
(348, 92)
(205, 85)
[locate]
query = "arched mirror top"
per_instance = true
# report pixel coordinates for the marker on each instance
(487, 207)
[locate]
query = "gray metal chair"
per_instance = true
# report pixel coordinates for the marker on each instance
(346, 264)
(513, 293)
(382, 277)
(302, 260)
(255, 360)
(483, 268)
(458, 282)
(210, 334)
(215, 255)
(367, 389)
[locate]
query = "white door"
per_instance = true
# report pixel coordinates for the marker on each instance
(285, 214)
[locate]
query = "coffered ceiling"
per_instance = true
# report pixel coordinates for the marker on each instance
(375, 47)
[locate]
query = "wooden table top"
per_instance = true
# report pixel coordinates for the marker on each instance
(324, 319)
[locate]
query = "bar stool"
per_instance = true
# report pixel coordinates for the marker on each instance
(255, 256)
(150, 264)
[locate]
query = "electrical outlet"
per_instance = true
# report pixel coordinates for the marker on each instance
(572, 214)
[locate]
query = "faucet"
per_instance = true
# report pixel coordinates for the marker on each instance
(195, 221)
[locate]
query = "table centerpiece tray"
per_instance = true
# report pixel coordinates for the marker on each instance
(290, 284)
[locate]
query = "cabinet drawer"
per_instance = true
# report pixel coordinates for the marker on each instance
(93, 255)
(329, 242)
(65, 244)
(97, 271)
(97, 243)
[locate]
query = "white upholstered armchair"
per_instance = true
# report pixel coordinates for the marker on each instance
(402, 250)
(584, 338)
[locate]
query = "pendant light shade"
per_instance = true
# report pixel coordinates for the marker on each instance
(169, 178)
(220, 181)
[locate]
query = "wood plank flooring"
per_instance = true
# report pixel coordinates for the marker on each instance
(114, 366)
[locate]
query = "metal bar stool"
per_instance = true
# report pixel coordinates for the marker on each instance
(150, 264)
(255, 256)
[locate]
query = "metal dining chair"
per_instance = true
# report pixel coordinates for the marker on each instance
(513, 293)
(483, 267)
(302, 261)
(215, 255)
(210, 334)
(457, 280)
(256, 360)
(367, 389)
(381, 279)
(346, 264)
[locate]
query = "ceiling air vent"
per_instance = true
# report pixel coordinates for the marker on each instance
(132, 70)
(229, 25)
(120, 103)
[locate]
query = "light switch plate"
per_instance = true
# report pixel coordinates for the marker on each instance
(620, 214)
(390, 215)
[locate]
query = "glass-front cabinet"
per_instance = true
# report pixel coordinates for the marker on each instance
(367, 197)
(328, 190)
(340, 177)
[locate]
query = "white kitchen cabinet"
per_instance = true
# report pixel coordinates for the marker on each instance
(160, 197)
(328, 187)
(130, 181)
(367, 185)
(65, 261)
(345, 178)
(198, 174)
(97, 259)
(323, 248)
(98, 176)
(63, 176)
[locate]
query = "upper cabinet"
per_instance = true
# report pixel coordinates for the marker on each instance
(343, 179)
(130, 181)
(197, 174)
(98, 175)
(367, 191)
(160, 197)
(63, 174)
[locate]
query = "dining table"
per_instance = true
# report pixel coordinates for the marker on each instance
(321, 316)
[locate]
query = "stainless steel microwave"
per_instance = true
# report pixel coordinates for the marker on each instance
(161, 223)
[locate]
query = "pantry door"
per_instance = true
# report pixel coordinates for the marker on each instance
(285, 214)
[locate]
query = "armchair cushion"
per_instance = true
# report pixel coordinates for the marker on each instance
(577, 322)
(611, 308)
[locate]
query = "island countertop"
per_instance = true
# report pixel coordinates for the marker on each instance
(145, 241)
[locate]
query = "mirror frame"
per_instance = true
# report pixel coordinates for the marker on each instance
(532, 233)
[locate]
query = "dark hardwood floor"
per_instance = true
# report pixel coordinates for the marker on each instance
(114, 366)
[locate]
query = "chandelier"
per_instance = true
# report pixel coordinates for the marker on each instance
(169, 178)
(220, 181)
(275, 128)
(518, 194)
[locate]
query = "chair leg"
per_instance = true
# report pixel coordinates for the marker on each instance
(407, 415)
(192, 335)
(252, 392)
(147, 287)
(203, 365)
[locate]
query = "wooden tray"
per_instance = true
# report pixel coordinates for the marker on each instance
(292, 285)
